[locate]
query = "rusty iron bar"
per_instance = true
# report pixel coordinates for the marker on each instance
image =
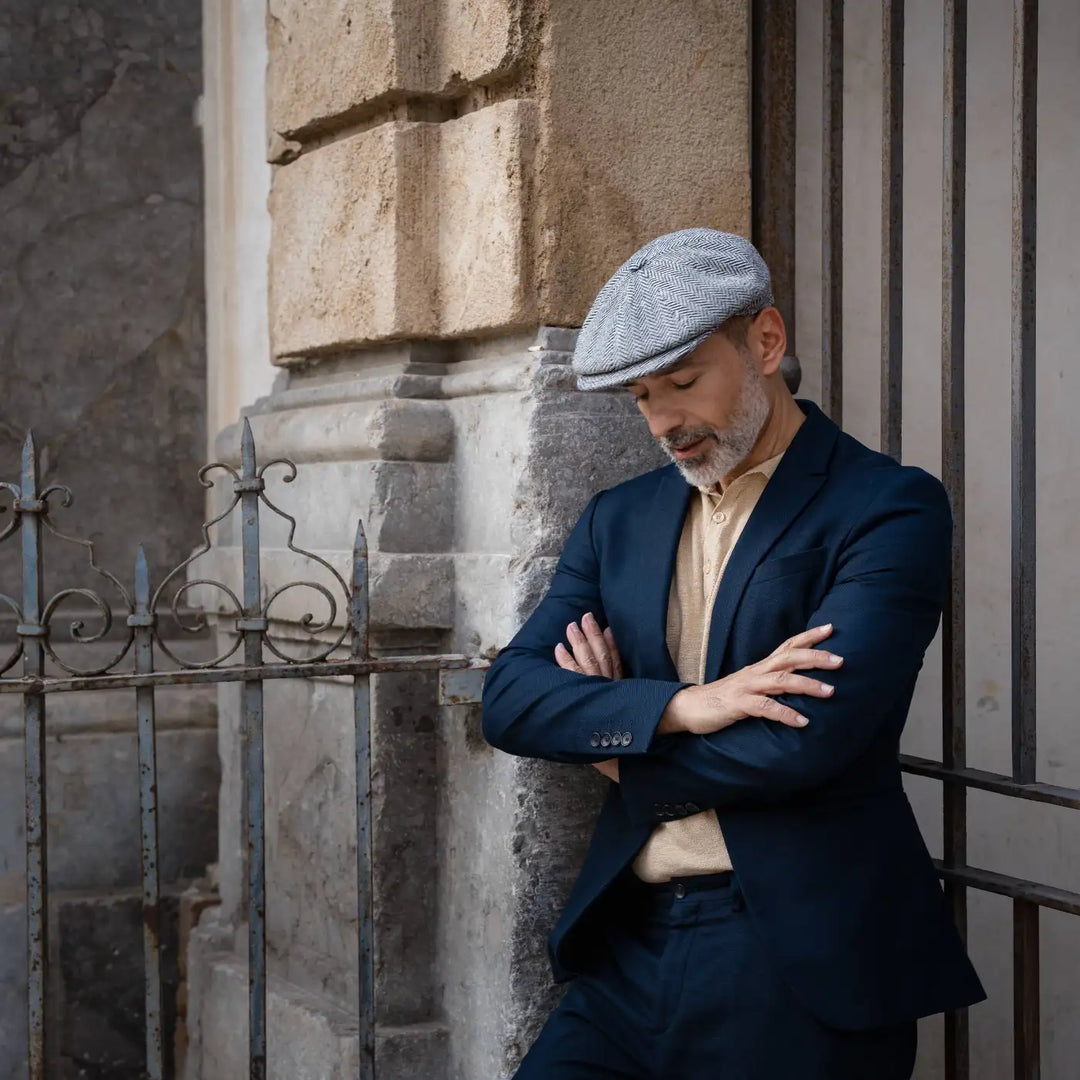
(342, 668)
(772, 174)
(1026, 1041)
(953, 475)
(365, 887)
(998, 783)
(892, 226)
(832, 210)
(1025, 71)
(141, 622)
(1017, 888)
(249, 486)
(30, 508)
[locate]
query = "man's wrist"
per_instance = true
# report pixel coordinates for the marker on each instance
(672, 719)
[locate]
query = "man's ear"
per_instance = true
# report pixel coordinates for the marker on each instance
(767, 339)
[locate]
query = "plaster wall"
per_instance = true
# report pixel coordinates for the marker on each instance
(1009, 836)
(102, 354)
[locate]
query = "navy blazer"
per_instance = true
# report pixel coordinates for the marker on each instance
(834, 872)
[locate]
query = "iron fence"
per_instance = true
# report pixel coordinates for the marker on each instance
(132, 621)
(774, 95)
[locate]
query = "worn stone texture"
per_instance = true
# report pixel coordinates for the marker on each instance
(644, 128)
(93, 790)
(100, 269)
(98, 954)
(350, 56)
(404, 230)
(485, 160)
(346, 254)
(617, 129)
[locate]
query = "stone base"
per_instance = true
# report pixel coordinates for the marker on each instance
(310, 1037)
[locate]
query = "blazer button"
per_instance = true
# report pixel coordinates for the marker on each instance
(627, 738)
(605, 739)
(594, 739)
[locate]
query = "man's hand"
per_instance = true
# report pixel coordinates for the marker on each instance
(594, 653)
(701, 710)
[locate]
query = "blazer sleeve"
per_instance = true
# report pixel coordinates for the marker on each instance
(884, 603)
(533, 708)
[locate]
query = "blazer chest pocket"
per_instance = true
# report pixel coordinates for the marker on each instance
(798, 562)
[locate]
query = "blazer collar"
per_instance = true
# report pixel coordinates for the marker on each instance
(799, 476)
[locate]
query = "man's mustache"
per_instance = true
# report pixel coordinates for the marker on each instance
(680, 439)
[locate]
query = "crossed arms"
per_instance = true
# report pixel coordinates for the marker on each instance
(883, 606)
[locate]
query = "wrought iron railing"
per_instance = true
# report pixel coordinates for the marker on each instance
(774, 228)
(130, 625)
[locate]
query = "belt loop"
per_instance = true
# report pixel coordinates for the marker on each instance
(737, 901)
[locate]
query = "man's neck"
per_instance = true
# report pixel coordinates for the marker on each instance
(785, 419)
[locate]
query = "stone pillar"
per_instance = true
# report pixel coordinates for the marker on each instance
(453, 182)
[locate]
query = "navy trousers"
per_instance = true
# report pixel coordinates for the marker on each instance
(681, 989)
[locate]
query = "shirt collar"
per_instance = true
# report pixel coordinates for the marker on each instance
(765, 468)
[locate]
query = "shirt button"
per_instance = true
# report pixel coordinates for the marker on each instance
(719, 517)
(708, 568)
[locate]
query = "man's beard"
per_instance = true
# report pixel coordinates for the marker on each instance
(725, 450)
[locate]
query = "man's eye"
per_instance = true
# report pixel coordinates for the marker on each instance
(685, 385)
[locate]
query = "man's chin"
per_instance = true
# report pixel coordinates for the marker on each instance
(697, 472)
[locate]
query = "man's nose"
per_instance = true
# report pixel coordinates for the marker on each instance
(663, 421)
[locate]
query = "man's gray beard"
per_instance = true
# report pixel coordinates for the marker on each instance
(727, 449)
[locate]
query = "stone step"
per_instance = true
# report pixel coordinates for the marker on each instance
(310, 1037)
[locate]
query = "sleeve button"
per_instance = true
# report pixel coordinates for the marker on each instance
(594, 739)
(605, 739)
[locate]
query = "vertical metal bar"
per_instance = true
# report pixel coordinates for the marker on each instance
(365, 893)
(892, 225)
(1025, 67)
(1025, 914)
(772, 174)
(30, 508)
(832, 216)
(1026, 1048)
(954, 646)
(142, 621)
(253, 625)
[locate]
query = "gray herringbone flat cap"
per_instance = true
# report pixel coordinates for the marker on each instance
(666, 300)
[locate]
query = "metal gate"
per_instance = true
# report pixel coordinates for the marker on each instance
(340, 648)
(774, 231)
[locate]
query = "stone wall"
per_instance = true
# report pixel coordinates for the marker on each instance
(452, 183)
(101, 352)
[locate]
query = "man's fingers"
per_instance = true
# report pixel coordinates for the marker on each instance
(583, 650)
(616, 659)
(598, 645)
(808, 638)
(786, 682)
(800, 659)
(769, 709)
(565, 660)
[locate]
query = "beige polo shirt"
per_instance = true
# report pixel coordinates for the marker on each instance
(714, 521)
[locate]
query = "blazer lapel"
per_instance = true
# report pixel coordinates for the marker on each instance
(798, 477)
(656, 545)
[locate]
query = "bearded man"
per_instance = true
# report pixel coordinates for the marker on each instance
(733, 641)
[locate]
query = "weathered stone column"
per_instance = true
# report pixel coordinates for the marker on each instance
(453, 182)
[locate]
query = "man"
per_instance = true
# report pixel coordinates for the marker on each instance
(757, 902)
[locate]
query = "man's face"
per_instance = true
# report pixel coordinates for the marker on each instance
(708, 410)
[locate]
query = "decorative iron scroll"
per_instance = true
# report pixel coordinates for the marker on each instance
(112, 606)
